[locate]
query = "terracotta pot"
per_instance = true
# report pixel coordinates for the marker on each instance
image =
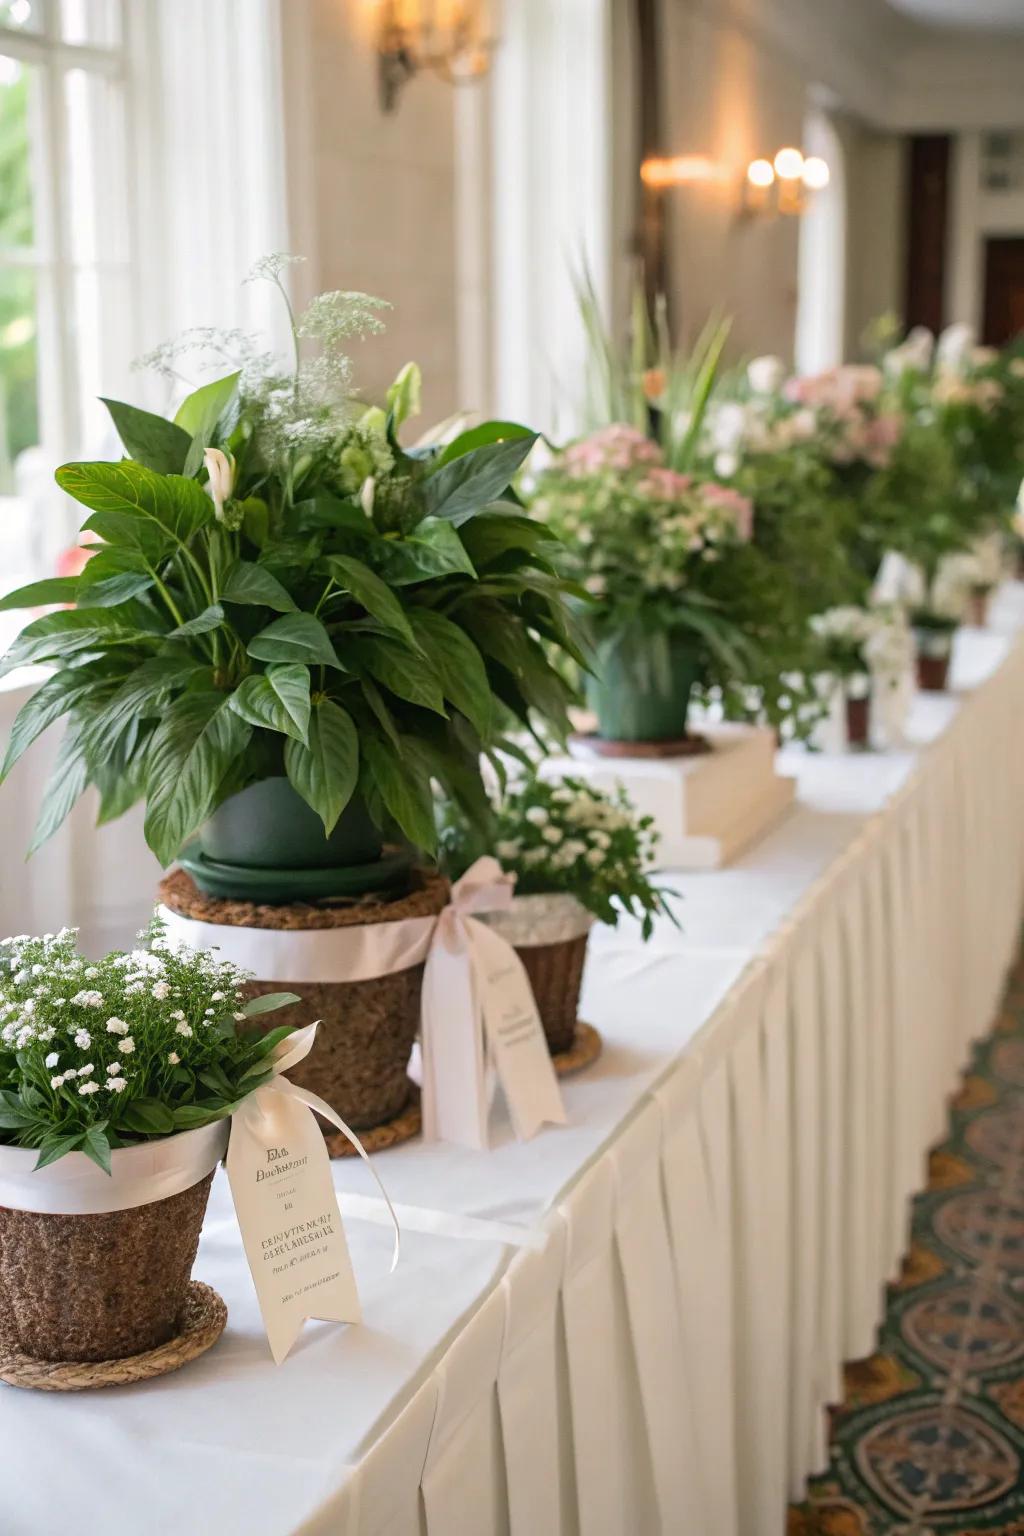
(934, 651)
(108, 1285)
(367, 1028)
(549, 933)
(858, 721)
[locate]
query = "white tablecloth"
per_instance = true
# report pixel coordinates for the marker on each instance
(715, 1225)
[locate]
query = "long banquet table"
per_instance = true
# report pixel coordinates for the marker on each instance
(631, 1325)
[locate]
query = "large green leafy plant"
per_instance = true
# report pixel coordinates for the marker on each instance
(278, 587)
(105, 1054)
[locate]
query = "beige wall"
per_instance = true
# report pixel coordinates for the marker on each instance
(373, 195)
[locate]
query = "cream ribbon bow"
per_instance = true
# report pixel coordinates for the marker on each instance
(286, 1204)
(479, 1013)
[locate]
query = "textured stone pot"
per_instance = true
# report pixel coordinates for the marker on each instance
(102, 1286)
(641, 686)
(367, 1028)
(549, 933)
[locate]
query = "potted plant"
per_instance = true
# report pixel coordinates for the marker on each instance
(639, 537)
(120, 1071)
(862, 647)
(578, 855)
(289, 629)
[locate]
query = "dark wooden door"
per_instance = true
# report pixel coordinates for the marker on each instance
(1004, 290)
(927, 224)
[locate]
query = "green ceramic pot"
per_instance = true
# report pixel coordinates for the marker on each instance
(269, 826)
(641, 686)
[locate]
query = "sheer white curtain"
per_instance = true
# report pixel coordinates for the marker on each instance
(209, 163)
(551, 192)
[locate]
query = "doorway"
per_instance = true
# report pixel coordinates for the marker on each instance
(1004, 290)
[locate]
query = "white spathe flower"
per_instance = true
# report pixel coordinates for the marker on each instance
(220, 467)
(765, 374)
(367, 491)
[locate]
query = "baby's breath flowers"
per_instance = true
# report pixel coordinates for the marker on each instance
(156, 1044)
(567, 836)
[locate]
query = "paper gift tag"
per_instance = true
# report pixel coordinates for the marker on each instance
(515, 1034)
(455, 1101)
(287, 1210)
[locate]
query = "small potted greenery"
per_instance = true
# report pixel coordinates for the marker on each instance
(860, 647)
(289, 629)
(641, 538)
(119, 1071)
(578, 855)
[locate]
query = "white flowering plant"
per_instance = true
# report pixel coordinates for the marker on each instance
(864, 641)
(276, 587)
(567, 836)
(105, 1054)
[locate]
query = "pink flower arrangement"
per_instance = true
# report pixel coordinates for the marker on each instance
(665, 484)
(724, 499)
(614, 447)
(840, 390)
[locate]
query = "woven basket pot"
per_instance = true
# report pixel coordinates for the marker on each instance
(549, 934)
(101, 1287)
(367, 1028)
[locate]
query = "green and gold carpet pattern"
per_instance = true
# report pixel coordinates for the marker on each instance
(930, 1437)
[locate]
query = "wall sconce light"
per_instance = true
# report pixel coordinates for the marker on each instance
(450, 37)
(678, 170)
(781, 185)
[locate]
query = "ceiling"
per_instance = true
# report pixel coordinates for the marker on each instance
(1002, 15)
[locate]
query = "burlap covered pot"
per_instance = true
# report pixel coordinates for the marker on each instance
(549, 933)
(367, 1028)
(104, 1285)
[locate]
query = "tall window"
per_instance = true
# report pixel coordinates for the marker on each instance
(66, 331)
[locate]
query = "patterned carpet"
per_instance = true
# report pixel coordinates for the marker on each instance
(930, 1437)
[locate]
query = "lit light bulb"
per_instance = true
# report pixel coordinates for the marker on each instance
(760, 173)
(815, 174)
(789, 164)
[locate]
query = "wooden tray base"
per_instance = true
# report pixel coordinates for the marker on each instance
(584, 1051)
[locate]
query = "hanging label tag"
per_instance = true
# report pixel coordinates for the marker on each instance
(515, 1035)
(455, 1100)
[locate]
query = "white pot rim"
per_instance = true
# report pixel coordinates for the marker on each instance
(543, 917)
(140, 1175)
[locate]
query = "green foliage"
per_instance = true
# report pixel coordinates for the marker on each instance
(567, 836)
(360, 618)
(136, 1046)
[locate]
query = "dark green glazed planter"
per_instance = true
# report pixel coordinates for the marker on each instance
(641, 687)
(269, 826)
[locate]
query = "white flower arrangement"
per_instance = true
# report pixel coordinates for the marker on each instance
(875, 642)
(567, 836)
(92, 1069)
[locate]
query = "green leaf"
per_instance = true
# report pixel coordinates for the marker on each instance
(249, 583)
(325, 511)
(111, 591)
(192, 749)
(372, 593)
(277, 699)
(135, 506)
(68, 780)
(189, 1117)
(13, 1114)
(56, 697)
(150, 440)
(405, 791)
(295, 637)
(480, 437)
(145, 691)
(501, 528)
(210, 618)
(460, 488)
(372, 695)
(199, 413)
(96, 1146)
(267, 1042)
(458, 664)
(56, 636)
(54, 1147)
(55, 589)
(268, 1003)
(325, 771)
(435, 549)
(404, 673)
